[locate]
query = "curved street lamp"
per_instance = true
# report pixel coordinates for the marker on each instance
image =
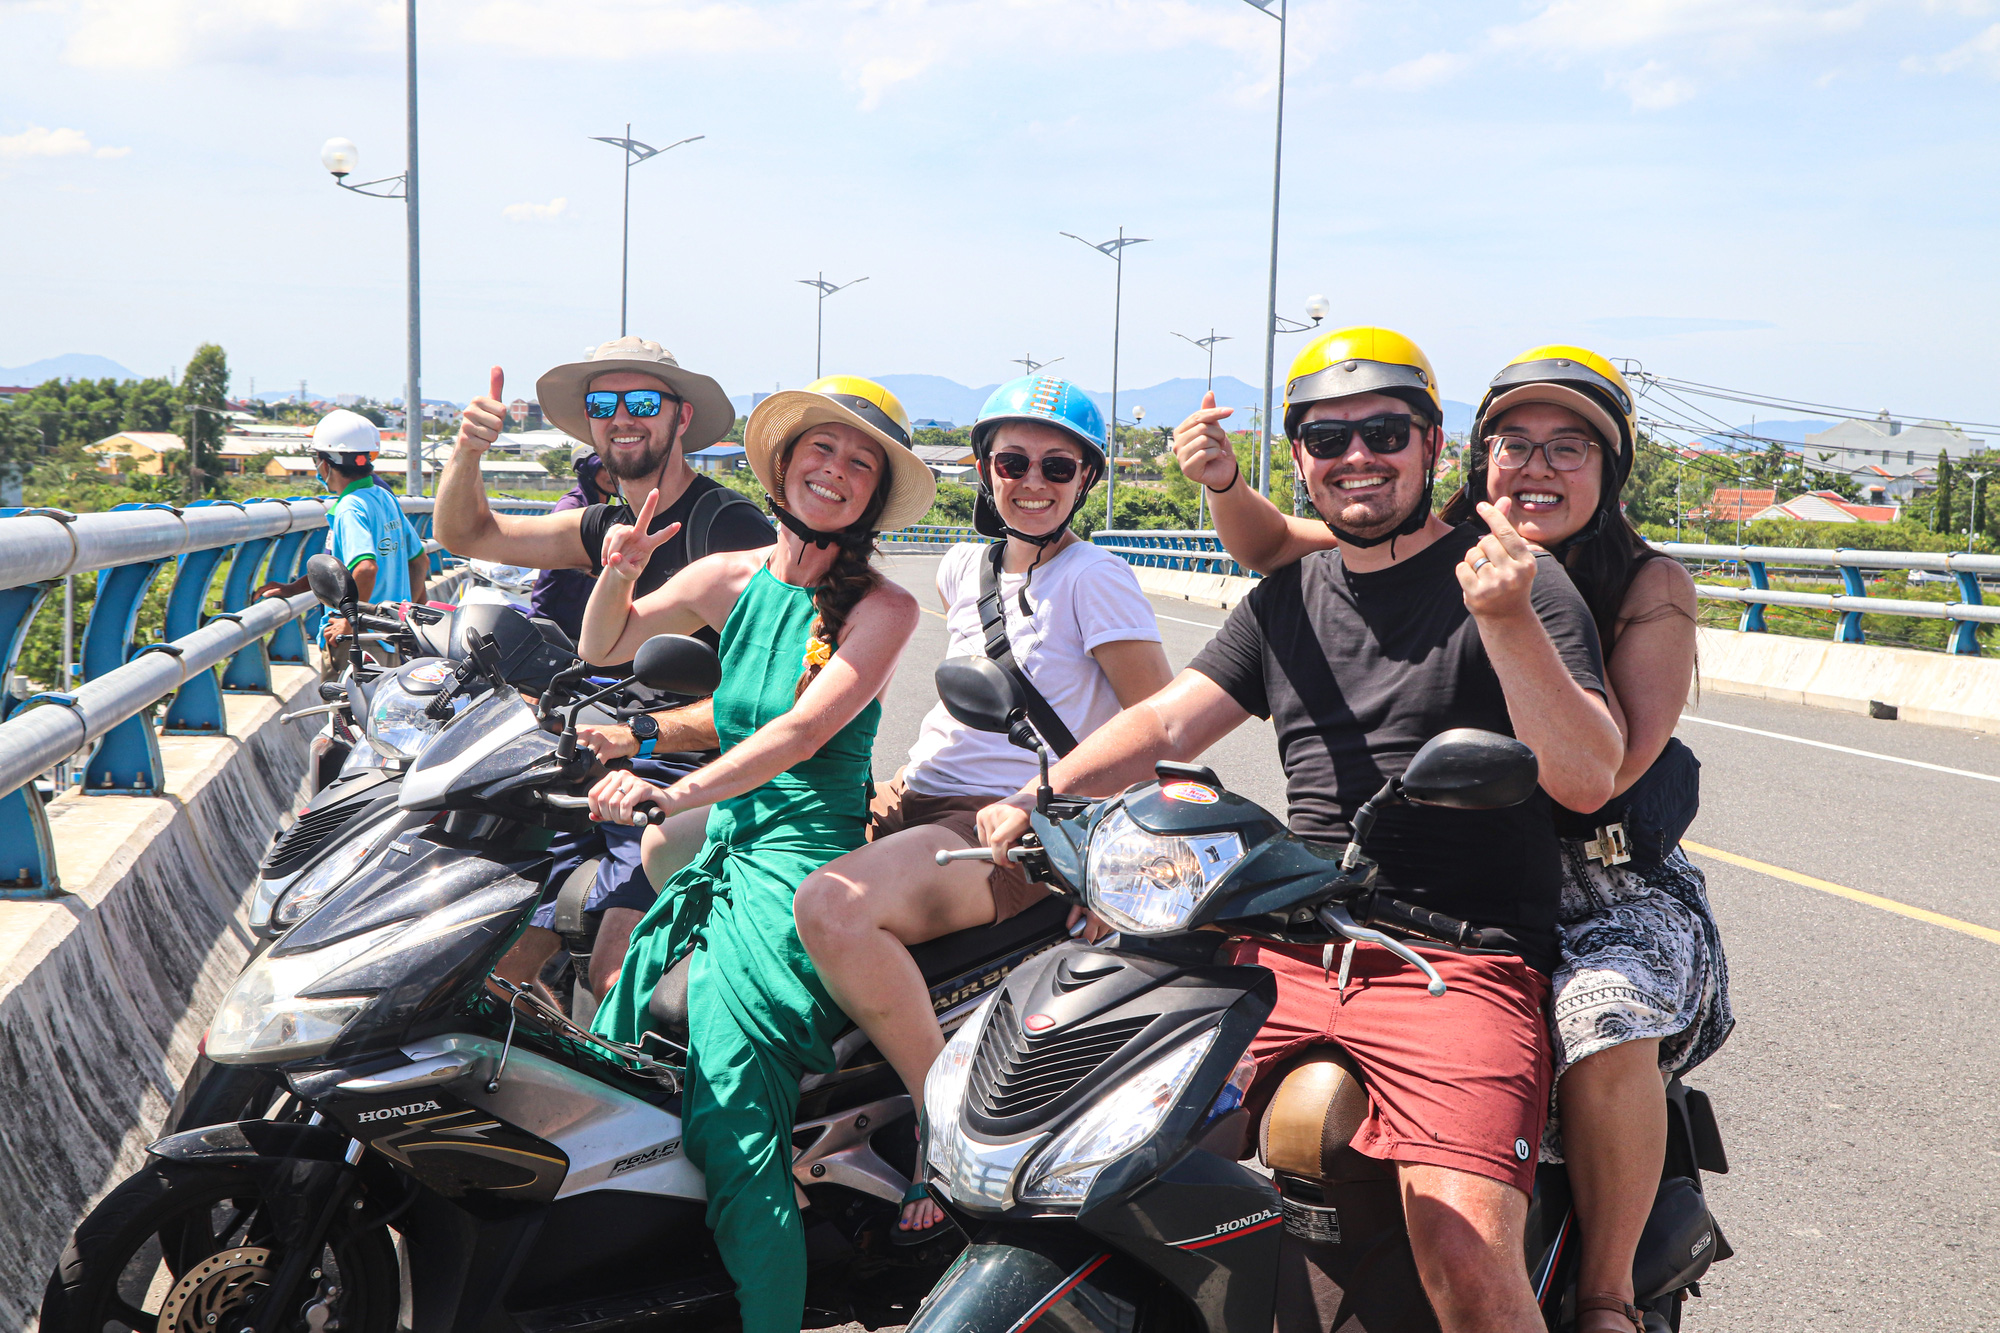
(1031, 364)
(826, 289)
(635, 153)
(1207, 345)
(1113, 249)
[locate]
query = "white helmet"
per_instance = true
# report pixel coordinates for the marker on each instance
(348, 438)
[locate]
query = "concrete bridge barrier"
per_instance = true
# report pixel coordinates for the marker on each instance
(105, 992)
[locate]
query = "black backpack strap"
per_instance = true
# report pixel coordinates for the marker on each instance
(993, 619)
(707, 509)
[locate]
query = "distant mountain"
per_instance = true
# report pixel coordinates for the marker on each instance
(68, 366)
(941, 399)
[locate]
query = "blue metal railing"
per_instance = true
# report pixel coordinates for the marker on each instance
(1203, 552)
(201, 656)
(926, 535)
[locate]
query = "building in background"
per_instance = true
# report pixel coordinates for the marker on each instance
(723, 457)
(136, 451)
(525, 415)
(1889, 447)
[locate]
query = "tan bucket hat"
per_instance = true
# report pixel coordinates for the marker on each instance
(851, 401)
(561, 390)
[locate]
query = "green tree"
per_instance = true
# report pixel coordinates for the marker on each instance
(20, 445)
(205, 383)
(1941, 501)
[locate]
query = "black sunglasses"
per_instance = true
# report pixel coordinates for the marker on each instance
(602, 404)
(1385, 434)
(1056, 468)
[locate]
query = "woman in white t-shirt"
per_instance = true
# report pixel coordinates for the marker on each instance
(1082, 632)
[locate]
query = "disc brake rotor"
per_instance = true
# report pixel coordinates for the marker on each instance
(224, 1283)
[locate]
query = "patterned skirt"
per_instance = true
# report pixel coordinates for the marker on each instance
(1641, 958)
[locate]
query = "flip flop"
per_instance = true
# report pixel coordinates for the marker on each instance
(900, 1235)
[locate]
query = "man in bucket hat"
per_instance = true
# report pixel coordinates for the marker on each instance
(643, 412)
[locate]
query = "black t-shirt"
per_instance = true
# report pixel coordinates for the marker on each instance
(1356, 672)
(736, 528)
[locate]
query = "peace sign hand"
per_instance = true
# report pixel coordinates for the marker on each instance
(629, 546)
(1498, 574)
(1202, 446)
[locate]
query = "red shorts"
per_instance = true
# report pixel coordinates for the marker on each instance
(1459, 1081)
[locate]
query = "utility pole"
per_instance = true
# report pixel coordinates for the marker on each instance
(635, 153)
(1113, 249)
(825, 289)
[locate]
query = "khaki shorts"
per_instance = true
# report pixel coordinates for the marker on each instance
(896, 808)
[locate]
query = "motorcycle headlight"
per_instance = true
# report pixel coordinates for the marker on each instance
(1120, 1121)
(1151, 883)
(264, 1018)
(513, 578)
(944, 1089)
(334, 870)
(397, 725)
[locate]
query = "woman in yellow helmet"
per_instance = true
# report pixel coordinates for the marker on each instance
(810, 637)
(1642, 990)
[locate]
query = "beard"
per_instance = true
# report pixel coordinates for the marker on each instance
(631, 467)
(1369, 518)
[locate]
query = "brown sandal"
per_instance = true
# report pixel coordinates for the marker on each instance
(1604, 1300)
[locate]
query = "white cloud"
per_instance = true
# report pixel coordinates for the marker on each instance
(39, 141)
(1980, 55)
(1426, 71)
(554, 208)
(1722, 27)
(1651, 86)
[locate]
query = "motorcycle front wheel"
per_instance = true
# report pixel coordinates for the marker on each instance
(183, 1248)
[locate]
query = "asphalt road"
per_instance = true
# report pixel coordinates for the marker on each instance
(1858, 1093)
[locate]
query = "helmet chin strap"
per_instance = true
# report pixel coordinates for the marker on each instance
(813, 536)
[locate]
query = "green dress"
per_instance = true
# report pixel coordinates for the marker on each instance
(759, 1018)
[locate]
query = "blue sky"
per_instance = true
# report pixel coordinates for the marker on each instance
(1781, 195)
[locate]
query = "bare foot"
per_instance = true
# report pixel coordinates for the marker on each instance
(920, 1215)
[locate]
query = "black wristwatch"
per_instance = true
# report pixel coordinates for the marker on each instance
(645, 730)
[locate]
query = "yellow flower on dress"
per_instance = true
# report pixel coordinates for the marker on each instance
(818, 653)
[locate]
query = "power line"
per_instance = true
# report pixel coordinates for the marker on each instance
(1751, 399)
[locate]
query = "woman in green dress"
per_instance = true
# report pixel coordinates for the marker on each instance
(810, 637)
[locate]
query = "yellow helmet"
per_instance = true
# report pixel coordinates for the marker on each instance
(1346, 362)
(861, 403)
(863, 394)
(1575, 378)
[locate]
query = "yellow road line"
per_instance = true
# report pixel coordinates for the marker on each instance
(1987, 933)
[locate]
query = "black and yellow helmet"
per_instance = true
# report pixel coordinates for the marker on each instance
(1353, 361)
(1570, 377)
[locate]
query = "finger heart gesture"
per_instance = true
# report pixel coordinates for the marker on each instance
(628, 547)
(1498, 573)
(1201, 446)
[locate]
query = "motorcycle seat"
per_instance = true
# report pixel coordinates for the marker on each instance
(1306, 1127)
(941, 960)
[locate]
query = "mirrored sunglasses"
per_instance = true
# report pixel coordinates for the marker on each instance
(603, 404)
(1385, 434)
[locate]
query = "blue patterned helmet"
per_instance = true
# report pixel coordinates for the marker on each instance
(1043, 398)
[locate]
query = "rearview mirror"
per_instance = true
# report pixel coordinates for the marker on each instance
(677, 664)
(1468, 769)
(331, 582)
(978, 692)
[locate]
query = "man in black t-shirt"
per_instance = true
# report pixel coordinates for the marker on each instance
(1358, 654)
(644, 413)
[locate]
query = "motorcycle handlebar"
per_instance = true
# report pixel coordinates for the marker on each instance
(647, 813)
(1386, 911)
(1016, 854)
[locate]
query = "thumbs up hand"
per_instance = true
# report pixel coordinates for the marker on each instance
(484, 417)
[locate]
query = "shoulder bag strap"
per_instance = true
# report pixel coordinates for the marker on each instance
(993, 619)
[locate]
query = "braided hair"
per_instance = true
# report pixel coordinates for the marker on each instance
(851, 579)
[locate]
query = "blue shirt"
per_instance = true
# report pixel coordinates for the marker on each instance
(368, 524)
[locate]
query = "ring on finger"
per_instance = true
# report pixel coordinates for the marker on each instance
(1480, 563)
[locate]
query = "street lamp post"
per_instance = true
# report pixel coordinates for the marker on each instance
(1115, 250)
(1207, 345)
(826, 289)
(1030, 364)
(635, 153)
(1316, 308)
(340, 157)
(1277, 180)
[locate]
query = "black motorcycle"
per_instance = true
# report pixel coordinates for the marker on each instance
(450, 1151)
(1086, 1126)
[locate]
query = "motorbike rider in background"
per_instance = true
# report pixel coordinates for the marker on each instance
(559, 594)
(811, 632)
(1642, 989)
(1080, 629)
(1358, 654)
(366, 530)
(644, 412)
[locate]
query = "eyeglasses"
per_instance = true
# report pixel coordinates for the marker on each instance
(1565, 453)
(602, 404)
(1056, 468)
(1386, 434)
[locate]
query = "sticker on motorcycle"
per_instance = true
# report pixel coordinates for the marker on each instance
(1242, 1226)
(429, 673)
(1193, 792)
(659, 1153)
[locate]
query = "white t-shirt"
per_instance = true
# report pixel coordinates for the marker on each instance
(1082, 597)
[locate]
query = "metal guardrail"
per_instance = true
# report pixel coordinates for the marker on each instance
(201, 658)
(926, 536)
(1202, 552)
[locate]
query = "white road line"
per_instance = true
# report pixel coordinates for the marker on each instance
(1202, 624)
(1843, 749)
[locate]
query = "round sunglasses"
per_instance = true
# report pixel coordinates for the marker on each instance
(1056, 468)
(1388, 433)
(602, 404)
